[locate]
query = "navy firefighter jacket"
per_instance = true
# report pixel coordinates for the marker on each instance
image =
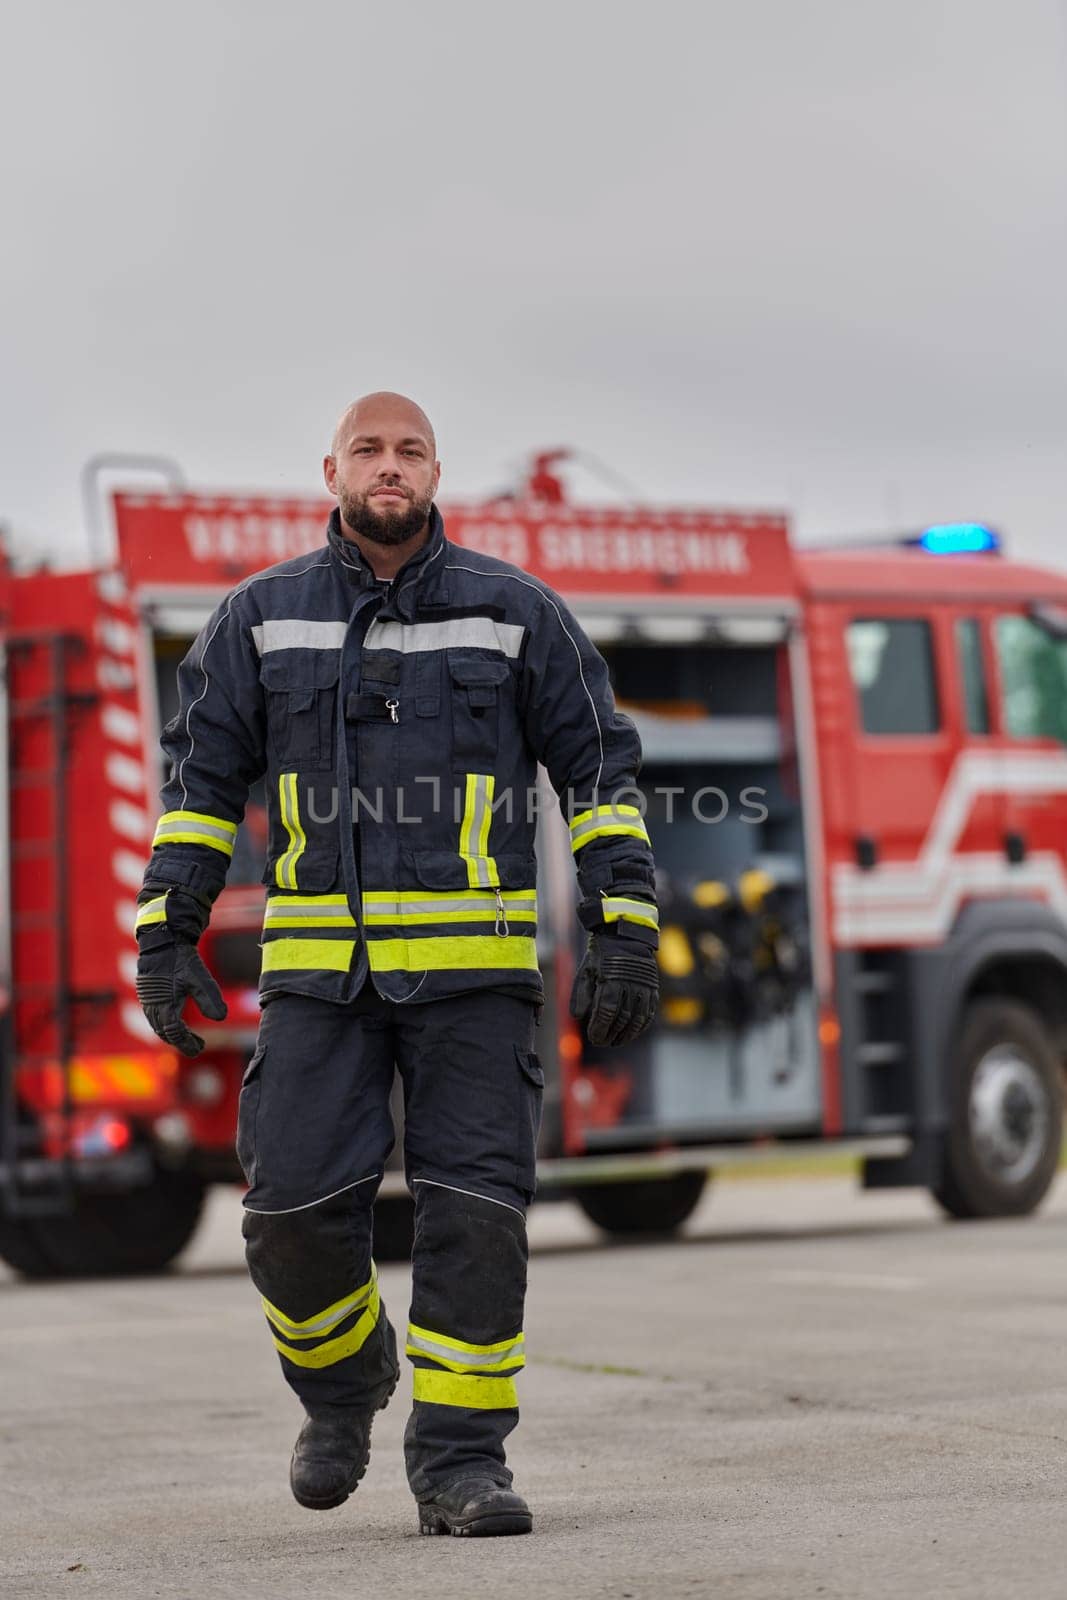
(399, 728)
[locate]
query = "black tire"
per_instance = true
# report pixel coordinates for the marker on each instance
(1002, 1148)
(109, 1235)
(20, 1249)
(394, 1227)
(647, 1206)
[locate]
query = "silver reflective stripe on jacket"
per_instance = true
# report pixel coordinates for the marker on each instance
(298, 633)
(472, 633)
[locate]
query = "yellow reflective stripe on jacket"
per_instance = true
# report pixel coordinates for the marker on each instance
(473, 1394)
(375, 898)
(285, 870)
(456, 1356)
(322, 1321)
(308, 911)
(474, 831)
(195, 827)
(486, 913)
(152, 911)
(403, 908)
(619, 909)
(413, 906)
(308, 955)
(334, 1350)
(399, 905)
(604, 822)
(478, 951)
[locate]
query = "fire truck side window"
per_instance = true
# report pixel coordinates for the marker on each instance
(1033, 677)
(972, 672)
(892, 664)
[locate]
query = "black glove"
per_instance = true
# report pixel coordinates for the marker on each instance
(166, 977)
(616, 989)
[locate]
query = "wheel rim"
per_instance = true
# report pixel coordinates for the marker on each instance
(1009, 1114)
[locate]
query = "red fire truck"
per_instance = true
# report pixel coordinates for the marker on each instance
(854, 780)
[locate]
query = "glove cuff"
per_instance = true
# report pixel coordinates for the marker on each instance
(592, 917)
(168, 915)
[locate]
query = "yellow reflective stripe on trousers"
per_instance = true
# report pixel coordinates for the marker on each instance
(474, 831)
(477, 951)
(334, 1350)
(456, 1356)
(285, 870)
(152, 911)
(617, 908)
(322, 1321)
(308, 955)
(473, 1394)
(195, 827)
(607, 821)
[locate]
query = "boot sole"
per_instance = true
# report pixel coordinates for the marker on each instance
(431, 1520)
(337, 1499)
(354, 1481)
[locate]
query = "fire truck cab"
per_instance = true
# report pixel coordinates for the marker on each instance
(854, 780)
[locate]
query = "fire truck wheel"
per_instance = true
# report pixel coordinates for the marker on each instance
(140, 1230)
(650, 1205)
(1003, 1145)
(20, 1250)
(394, 1227)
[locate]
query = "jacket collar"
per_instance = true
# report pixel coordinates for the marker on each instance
(420, 576)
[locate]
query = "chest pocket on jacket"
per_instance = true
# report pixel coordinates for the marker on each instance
(477, 690)
(301, 706)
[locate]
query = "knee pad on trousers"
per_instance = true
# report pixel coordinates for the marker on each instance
(470, 1261)
(304, 1260)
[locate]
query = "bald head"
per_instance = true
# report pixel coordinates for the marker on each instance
(383, 410)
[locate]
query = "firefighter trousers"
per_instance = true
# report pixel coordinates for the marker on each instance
(314, 1134)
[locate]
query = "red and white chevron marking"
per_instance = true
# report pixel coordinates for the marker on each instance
(916, 902)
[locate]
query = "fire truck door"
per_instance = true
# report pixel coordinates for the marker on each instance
(1030, 716)
(902, 742)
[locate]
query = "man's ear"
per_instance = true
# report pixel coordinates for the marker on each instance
(329, 472)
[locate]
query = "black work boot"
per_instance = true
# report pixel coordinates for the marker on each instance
(331, 1454)
(475, 1506)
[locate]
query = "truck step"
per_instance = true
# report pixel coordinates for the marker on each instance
(33, 849)
(879, 1053)
(34, 778)
(34, 1188)
(26, 1209)
(874, 982)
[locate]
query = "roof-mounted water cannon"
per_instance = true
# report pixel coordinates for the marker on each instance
(542, 483)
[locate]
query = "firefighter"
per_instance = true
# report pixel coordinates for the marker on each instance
(397, 691)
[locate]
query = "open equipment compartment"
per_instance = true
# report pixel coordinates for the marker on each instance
(734, 1050)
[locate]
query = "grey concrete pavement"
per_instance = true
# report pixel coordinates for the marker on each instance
(815, 1392)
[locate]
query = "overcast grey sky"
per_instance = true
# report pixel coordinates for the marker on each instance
(808, 253)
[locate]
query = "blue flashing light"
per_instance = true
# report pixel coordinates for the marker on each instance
(958, 538)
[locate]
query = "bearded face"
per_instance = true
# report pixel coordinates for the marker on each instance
(386, 513)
